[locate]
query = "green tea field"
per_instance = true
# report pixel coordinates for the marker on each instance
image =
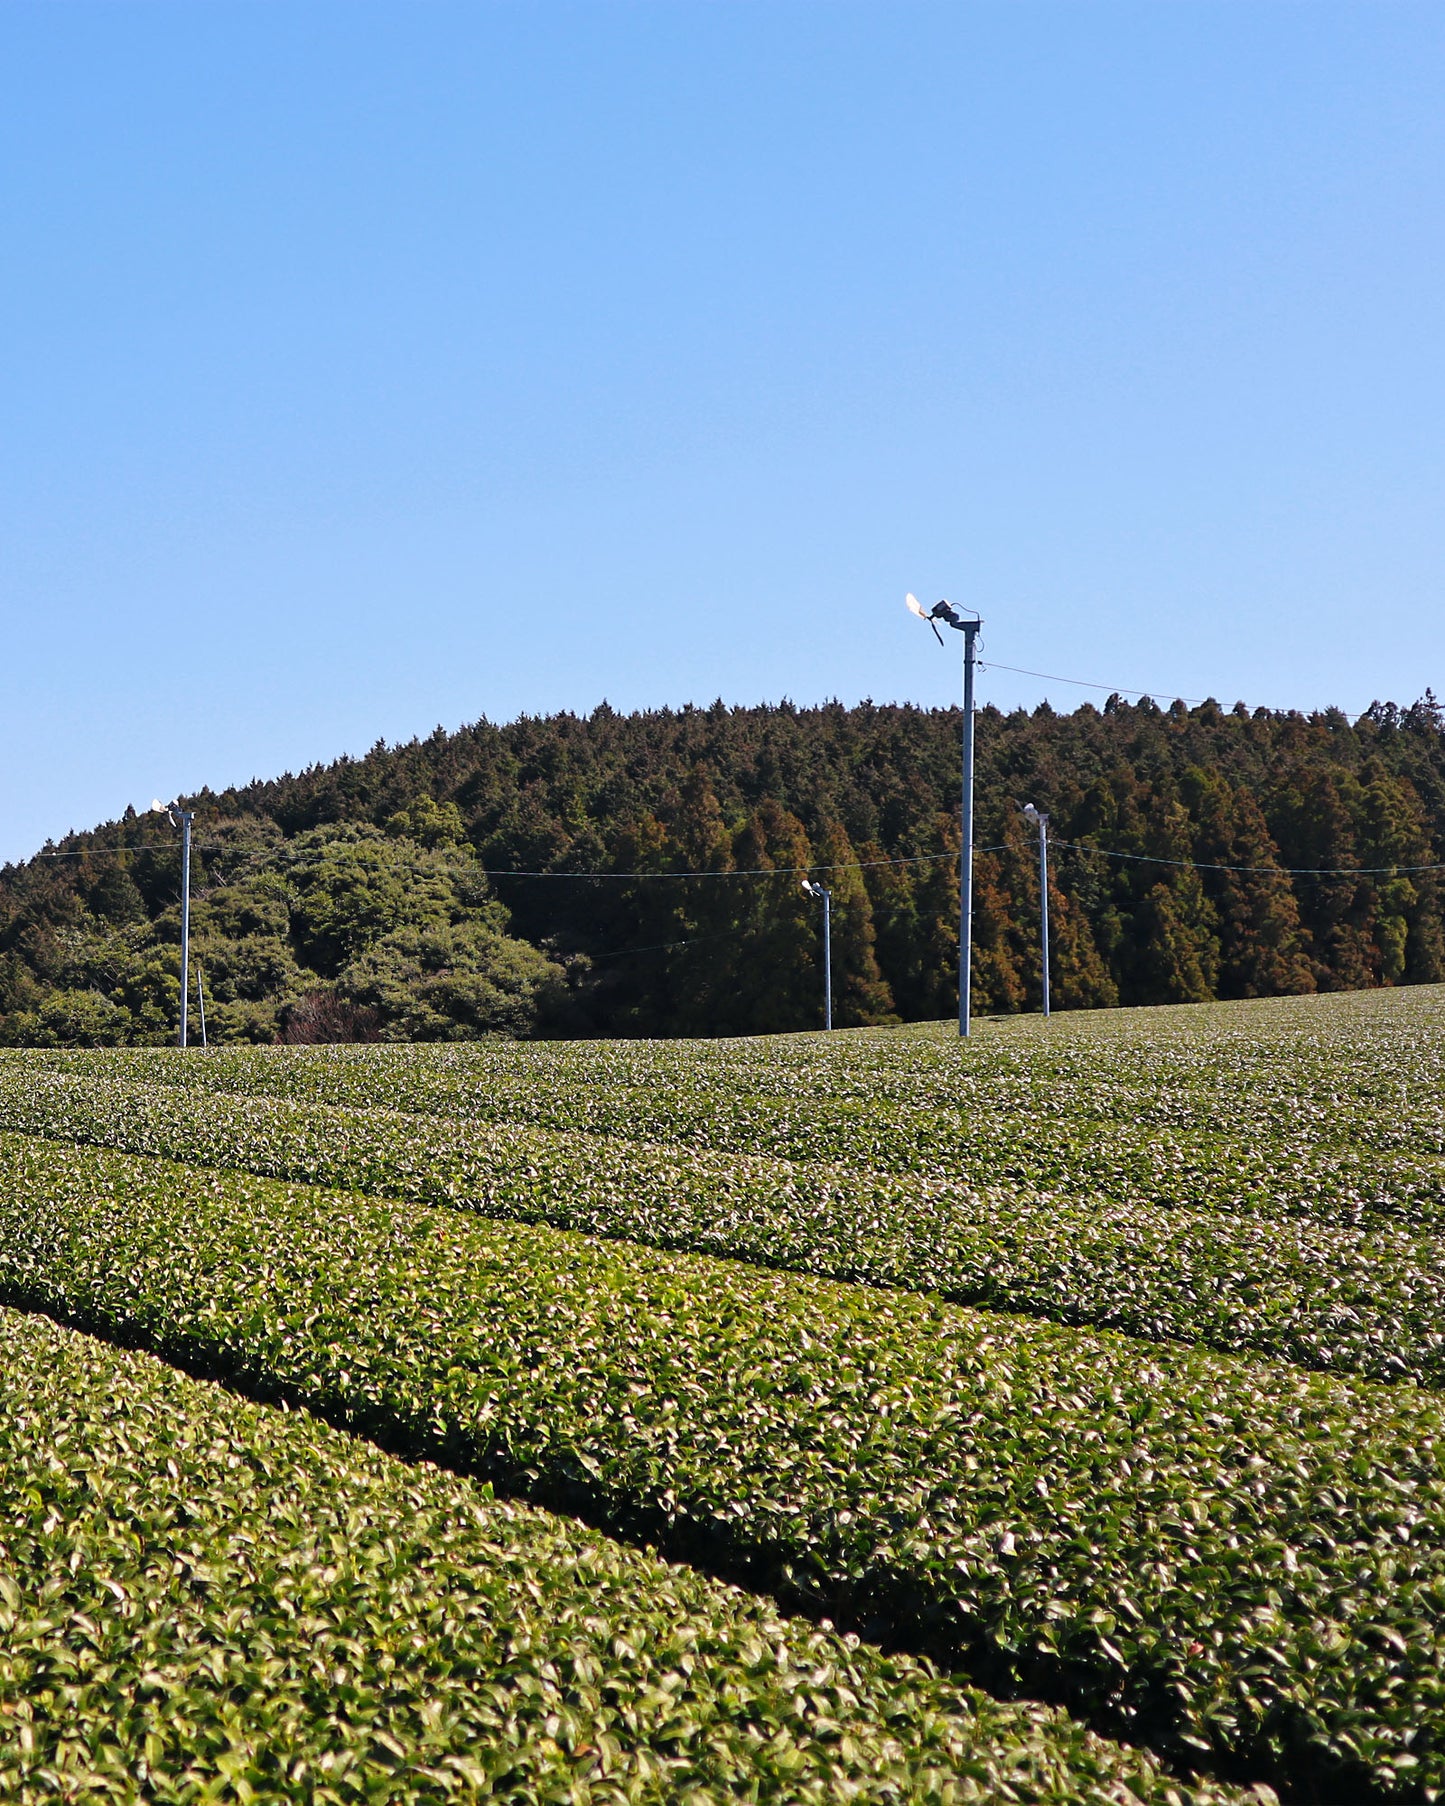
(1054, 1416)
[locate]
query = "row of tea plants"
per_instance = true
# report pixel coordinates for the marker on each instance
(1336, 1298)
(1226, 1560)
(203, 1600)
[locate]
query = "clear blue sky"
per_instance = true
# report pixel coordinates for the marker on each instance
(367, 367)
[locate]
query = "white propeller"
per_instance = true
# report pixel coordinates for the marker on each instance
(915, 607)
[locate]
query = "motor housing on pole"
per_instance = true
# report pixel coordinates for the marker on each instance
(949, 615)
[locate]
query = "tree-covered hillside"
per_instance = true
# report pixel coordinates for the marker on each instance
(446, 889)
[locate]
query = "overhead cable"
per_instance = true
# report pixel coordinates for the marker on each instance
(749, 871)
(1085, 683)
(856, 865)
(1283, 871)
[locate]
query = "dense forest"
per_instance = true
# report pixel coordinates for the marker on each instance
(639, 875)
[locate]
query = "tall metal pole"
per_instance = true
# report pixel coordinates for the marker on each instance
(965, 877)
(186, 816)
(821, 890)
(827, 958)
(1041, 822)
(1044, 898)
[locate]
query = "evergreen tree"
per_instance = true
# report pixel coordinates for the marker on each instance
(1173, 949)
(1395, 833)
(1313, 825)
(861, 996)
(996, 984)
(1079, 978)
(1262, 951)
(1170, 965)
(710, 913)
(774, 962)
(1200, 819)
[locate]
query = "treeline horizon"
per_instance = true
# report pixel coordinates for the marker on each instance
(1198, 853)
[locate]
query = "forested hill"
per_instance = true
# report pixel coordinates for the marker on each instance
(392, 896)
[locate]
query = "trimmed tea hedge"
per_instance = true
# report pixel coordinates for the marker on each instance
(1214, 1556)
(1325, 1108)
(1342, 1300)
(204, 1600)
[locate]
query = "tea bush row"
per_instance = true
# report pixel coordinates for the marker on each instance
(1209, 1555)
(1348, 1134)
(204, 1600)
(1333, 1071)
(1344, 1300)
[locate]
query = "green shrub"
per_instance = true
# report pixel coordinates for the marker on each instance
(1218, 1558)
(205, 1600)
(1330, 1109)
(1338, 1299)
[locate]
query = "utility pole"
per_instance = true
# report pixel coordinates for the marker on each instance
(945, 611)
(182, 818)
(965, 878)
(820, 890)
(1037, 815)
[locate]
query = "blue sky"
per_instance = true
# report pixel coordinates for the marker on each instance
(368, 367)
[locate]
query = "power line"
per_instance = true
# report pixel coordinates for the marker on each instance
(159, 846)
(751, 871)
(858, 865)
(1085, 683)
(1284, 871)
(730, 934)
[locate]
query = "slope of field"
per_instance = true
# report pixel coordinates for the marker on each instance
(1233, 1561)
(1206, 1556)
